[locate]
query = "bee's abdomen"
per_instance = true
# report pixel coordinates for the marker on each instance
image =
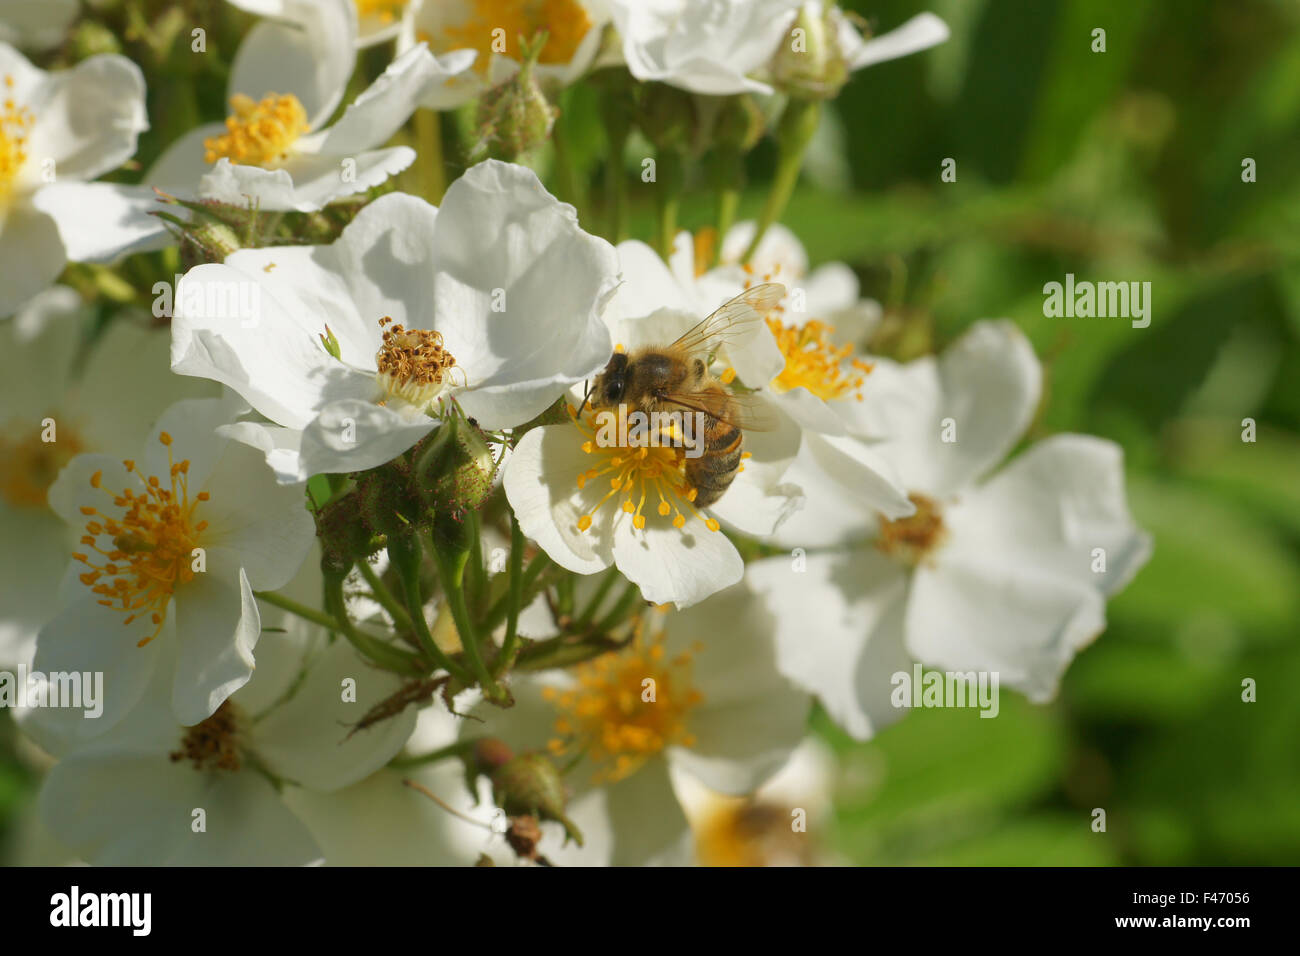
(713, 472)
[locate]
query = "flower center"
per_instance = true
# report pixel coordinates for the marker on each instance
(259, 133)
(815, 363)
(740, 831)
(150, 547)
(495, 26)
(413, 364)
(15, 126)
(910, 540)
(625, 708)
(639, 472)
(212, 744)
(29, 465)
(385, 11)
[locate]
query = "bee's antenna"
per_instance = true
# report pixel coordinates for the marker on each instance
(586, 396)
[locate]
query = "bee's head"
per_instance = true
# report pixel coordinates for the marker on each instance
(611, 384)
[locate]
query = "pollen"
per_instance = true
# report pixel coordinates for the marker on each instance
(15, 128)
(814, 362)
(148, 553)
(626, 707)
(259, 133)
(383, 11)
(495, 26)
(213, 744)
(640, 475)
(29, 465)
(912, 540)
(413, 364)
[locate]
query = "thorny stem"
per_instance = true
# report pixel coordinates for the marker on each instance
(442, 753)
(406, 558)
(387, 600)
(386, 656)
(514, 597)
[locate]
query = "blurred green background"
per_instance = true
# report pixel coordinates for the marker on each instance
(1122, 165)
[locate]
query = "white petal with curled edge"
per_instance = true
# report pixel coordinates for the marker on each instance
(380, 110)
(919, 33)
(217, 627)
(353, 435)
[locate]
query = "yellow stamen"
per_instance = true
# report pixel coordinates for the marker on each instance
(815, 363)
(150, 549)
(384, 11)
(911, 540)
(413, 364)
(495, 26)
(28, 465)
(625, 708)
(15, 126)
(259, 133)
(637, 473)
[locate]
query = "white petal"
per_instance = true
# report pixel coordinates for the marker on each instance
(248, 825)
(307, 181)
(454, 82)
(379, 112)
(541, 483)
(31, 256)
(182, 164)
(308, 740)
(86, 636)
(517, 293)
(919, 33)
(312, 61)
(648, 824)
(92, 118)
(36, 24)
(217, 627)
(983, 391)
(352, 435)
(839, 630)
(101, 222)
(681, 566)
(1050, 508)
(1023, 623)
(230, 328)
(750, 717)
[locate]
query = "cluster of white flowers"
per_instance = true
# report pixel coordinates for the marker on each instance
(347, 489)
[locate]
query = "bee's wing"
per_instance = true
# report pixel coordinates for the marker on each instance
(731, 319)
(745, 411)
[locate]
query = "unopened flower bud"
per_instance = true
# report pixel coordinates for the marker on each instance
(810, 63)
(531, 784)
(516, 116)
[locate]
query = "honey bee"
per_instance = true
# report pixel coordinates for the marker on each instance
(676, 377)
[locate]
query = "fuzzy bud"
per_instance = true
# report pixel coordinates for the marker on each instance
(515, 117)
(531, 784)
(810, 63)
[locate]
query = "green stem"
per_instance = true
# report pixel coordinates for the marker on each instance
(616, 188)
(405, 554)
(428, 137)
(379, 590)
(386, 656)
(451, 572)
(497, 612)
(794, 133)
(629, 599)
(669, 172)
(476, 574)
(301, 610)
(514, 597)
(442, 753)
(602, 591)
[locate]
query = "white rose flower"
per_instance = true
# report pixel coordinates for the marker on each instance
(704, 46)
(130, 796)
(57, 132)
(695, 693)
(172, 546)
(493, 300)
(476, 43)
(286, 80)
(55, 410)
(1007, 574)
